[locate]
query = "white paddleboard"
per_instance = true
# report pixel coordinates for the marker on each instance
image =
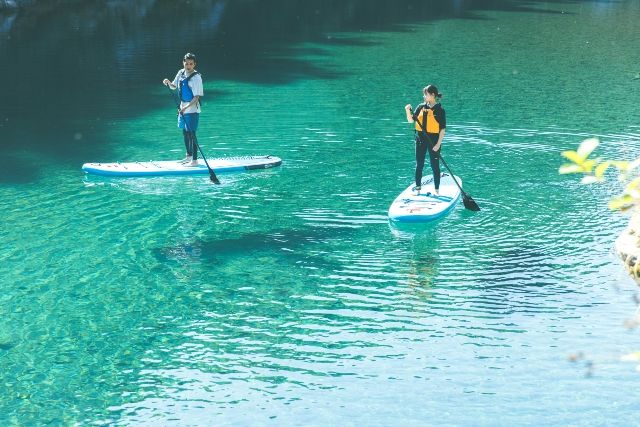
(427, 206)
(174, 167)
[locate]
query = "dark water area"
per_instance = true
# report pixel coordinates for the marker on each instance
(78, 66)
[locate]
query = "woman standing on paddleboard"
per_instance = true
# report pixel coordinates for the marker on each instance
(189, 84)
(430, 123)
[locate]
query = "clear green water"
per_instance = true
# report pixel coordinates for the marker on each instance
(284, 297)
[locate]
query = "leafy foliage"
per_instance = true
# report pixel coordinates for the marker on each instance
(594, 172)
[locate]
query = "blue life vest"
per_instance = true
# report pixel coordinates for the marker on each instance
(186, 94)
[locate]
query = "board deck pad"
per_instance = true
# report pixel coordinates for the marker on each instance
(427, 206)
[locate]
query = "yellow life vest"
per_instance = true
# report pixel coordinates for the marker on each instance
(432, 124)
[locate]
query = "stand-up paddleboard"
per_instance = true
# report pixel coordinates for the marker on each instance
(427, 206)
(173, 167)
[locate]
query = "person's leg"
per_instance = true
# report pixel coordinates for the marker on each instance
(192, 120)
(185, 136)
(434, 160)
(421, 152)
(194, 146)
(187, 145)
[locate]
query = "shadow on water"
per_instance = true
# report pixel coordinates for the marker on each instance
(294, 247)
(89, 64)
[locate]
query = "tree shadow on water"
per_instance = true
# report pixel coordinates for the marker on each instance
(291, 246)
(99, 62)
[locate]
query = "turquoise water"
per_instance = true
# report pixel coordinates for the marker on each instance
(285, 297)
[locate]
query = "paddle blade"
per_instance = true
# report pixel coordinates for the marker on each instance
(469, 203)
(213, 177)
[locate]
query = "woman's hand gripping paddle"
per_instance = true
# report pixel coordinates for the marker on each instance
(468, 202)
(212, 174)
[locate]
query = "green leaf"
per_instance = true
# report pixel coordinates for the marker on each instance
(590, 179)
(601, 169)
(633, 188)
(634, 164)
(621, 203)
(588, 165)
(587, 146)
(573, 156)
(622, 166)
(633, 185)
(569, 168)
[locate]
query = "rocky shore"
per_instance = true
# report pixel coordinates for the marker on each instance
(628, 247)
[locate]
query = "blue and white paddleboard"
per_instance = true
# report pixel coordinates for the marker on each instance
(174, 167)
(427, 206)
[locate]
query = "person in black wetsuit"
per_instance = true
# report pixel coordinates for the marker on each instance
(430, 123)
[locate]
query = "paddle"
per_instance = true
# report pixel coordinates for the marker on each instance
(468, 202)
(212, 174)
